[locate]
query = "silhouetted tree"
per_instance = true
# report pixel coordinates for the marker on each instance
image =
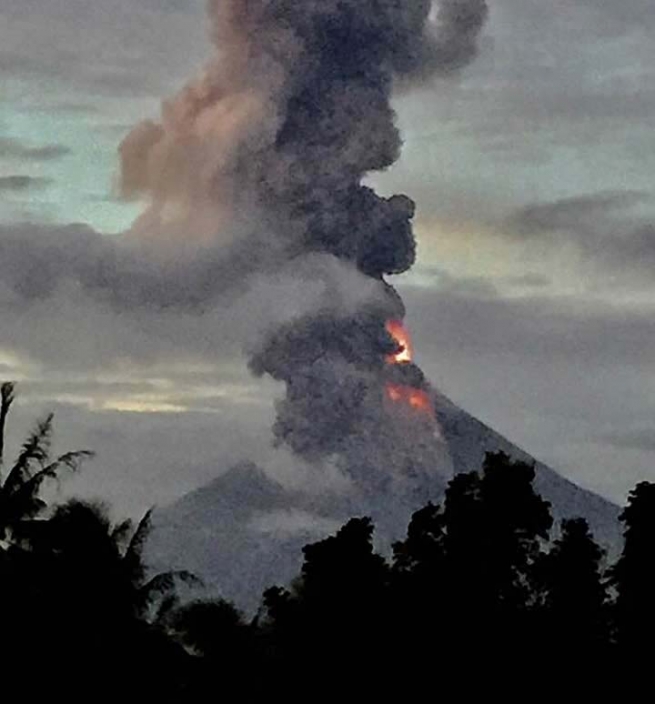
(576, 598)
(212, 628)
(334, 619)
(109, 557)
(495, 528)
(418, 588)
(25, 588)
(100, 600)
(223, 647)
(516, 524)
(633, 576)
(21, 484)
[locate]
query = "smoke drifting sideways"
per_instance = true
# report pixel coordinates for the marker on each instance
(253, 179)
(273, 141)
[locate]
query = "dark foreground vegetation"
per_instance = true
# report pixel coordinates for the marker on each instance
(484, 595)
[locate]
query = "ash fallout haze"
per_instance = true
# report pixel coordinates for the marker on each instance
(227, 279)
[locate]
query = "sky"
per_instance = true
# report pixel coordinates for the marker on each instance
(531, 304)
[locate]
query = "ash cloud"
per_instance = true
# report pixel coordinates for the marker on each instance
(253, 182)
(265, 153)
(290, 116)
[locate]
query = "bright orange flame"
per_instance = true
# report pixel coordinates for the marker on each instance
(401, 336)
(417, 399)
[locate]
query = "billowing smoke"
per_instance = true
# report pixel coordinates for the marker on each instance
(291, 114)
(263, 157)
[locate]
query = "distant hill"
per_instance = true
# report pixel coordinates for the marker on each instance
(244, 531)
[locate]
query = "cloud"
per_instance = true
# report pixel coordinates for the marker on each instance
(292, 522)
(91, 299)
(72, 49)
(575, 213)
(528, 280)
(640, 439)
(15, 149)
(540, 329)
(554, 374)
(614, 231)
(619, 18)
(21, 182)
(539, 367)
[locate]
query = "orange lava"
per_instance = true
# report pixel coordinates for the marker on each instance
(416, 399)
(400, 334)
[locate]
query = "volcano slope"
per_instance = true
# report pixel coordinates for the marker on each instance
(244, 531)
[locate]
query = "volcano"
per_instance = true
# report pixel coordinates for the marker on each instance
(265, 158)
(244, 531)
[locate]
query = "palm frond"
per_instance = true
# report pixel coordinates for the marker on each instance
(69, 460)
(167, 581)
(164, 585)
(141, 534)
(23, 501)
(36, 449)
(7, 394)
(6, 399)
(133, 558)
(121, 533)
(166, 610)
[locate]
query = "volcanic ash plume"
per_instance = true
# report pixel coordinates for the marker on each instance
(272, 142)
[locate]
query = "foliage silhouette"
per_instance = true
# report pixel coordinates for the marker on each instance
(20, 489)
(468, 570)
(633, 576)
(99, 599)
(576, 616)
(475, 596)
(334, 616)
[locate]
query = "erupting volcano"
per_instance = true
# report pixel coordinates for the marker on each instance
(263, 158)
(269, 148)
(418, 399)
(400, 334)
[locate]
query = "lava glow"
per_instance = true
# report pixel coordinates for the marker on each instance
(409, 396)
(417, 399)
(401, 336)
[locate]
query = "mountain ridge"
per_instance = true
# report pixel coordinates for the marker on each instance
(244, 531)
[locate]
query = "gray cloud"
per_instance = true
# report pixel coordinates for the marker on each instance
(577, 213)
(554, 375)
(125, 298)
(21, 182)
(73, 46)
(612, 230)
(538, 368)
(15, 149)
(541, 329)
(619, 18)
(555, 104)
(528, 280)
(642, 439)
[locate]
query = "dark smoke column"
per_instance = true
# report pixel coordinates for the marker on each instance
(286, 121)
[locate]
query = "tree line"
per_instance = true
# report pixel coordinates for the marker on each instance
(484, 592)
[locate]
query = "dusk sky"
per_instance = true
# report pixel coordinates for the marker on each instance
(531, 304)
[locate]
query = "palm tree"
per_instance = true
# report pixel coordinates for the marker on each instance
(88, 598)
(20, 488)
(89, 545)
